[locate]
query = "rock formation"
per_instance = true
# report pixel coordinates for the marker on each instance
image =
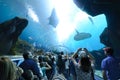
(9, 33)
(111, 8)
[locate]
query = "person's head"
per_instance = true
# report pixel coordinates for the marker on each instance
(85, 63)
(59, 56)
(62, 53)
(7, 69)
(19, 72)
(27, 55)
(108, 51)
(28, 75)
(40, 59)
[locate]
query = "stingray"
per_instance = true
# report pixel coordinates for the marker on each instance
(81, 36)
(53, 19)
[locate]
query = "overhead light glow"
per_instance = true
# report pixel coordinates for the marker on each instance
(64, 28)
(64, 31)
(65, 9)
(80, 16)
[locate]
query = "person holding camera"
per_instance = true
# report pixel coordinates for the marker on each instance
(44, 67)
(84, 70)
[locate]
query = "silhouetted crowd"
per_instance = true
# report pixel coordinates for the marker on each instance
(61, 66)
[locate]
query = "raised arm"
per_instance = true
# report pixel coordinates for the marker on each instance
(47, 66)
(76, 53)
(89, 55)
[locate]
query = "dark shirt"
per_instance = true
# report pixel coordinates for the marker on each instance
(112, 66)
(61, 65)
(30, 64)
(72, 67)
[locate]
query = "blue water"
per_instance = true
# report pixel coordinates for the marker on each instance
(39, 33)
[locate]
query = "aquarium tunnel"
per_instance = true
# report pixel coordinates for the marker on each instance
(55, 25)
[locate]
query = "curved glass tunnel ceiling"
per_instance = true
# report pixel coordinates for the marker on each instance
(56, 24)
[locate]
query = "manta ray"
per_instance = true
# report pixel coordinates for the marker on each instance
(9, 33)
(53, 19)
(81, 36)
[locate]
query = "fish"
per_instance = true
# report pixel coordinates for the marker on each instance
(91, 20)
(81, 36)
(9, 32)
(53, 19)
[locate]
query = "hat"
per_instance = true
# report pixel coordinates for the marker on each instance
(107, 49)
